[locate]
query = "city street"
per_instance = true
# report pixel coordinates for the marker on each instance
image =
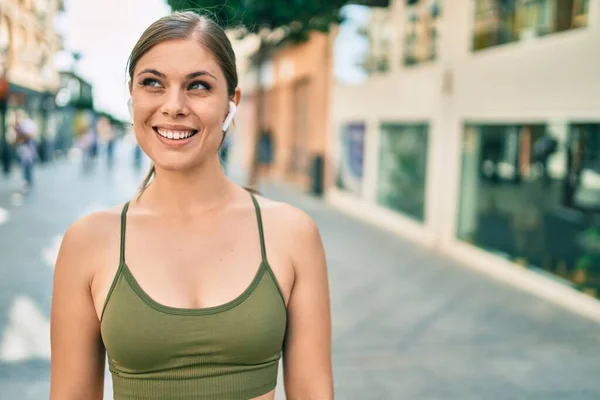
(407, 324)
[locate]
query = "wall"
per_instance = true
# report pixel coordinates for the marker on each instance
(304, 64)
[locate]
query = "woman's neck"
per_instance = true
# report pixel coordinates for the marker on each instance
(189, 192)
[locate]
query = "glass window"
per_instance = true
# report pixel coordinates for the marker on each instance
(402, 168)
(531, 193)
(494, 23)
(504, 21)
(350, 167)
(420, 43)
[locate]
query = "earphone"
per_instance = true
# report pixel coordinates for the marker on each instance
(227, 122)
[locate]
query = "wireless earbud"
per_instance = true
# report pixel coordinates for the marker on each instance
(232, 109)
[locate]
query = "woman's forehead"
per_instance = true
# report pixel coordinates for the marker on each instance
(176, 57)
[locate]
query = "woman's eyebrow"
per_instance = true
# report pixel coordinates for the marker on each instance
(153, 72)
(200, 73)
(189, 76)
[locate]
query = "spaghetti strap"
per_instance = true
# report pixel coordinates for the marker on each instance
(123, 226)
(263, 249)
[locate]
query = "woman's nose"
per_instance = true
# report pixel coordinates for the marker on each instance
(174, 105)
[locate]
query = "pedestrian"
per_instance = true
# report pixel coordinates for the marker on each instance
(106, 136)
(85, 143)
(196, 287)
(26, 131)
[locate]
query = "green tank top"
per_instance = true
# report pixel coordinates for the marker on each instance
(229, 351)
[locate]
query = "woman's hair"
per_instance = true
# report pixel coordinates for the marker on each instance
(185, 25)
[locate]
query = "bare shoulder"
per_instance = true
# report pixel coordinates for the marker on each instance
(284, 217)
(86, 241)
(294, 230)
(94, 226)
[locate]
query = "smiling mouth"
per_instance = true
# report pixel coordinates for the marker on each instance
(175, 134)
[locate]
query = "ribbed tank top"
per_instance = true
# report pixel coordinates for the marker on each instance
(229, 351)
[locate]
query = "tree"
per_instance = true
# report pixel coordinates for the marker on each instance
(295, 18)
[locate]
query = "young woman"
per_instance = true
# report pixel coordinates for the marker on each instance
(196, 287)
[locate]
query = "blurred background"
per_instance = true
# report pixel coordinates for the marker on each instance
(449, 151)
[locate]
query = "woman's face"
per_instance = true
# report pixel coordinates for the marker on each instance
(180, 101)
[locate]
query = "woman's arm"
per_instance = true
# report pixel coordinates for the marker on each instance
(307, 352)
(77, 370)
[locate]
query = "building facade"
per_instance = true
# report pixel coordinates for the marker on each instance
(296, 82)
(480, 137)
(28, 44)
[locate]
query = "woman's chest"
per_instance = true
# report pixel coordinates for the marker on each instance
(142, 335)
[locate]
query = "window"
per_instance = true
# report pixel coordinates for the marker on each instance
(504, 21)
(495, 23)
(352, 148)
(402, 168)
(531, 193)
(420, 42)
(379, 33)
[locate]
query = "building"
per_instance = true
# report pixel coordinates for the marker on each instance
(296, 81)
(481, 136)
(28, 44)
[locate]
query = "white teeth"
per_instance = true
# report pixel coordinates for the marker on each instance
(175, 135)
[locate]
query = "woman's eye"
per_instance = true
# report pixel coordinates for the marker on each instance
(151, 82)
(198, 85)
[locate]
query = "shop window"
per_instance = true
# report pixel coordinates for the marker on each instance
(421, 36)
(349, 175)
(504, 21)
(402, 168)
(531, 194)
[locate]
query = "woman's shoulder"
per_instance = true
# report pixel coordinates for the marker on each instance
(89, 242)
(91, 233)
(288, 220)
(96, 224)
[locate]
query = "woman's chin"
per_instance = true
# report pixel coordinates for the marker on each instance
(180, 164)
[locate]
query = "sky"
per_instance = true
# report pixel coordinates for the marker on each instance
(350, 48)
(105, 31)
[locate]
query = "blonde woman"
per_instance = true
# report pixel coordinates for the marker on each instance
(196, 287)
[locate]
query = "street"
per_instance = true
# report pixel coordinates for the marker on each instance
(407, 324)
